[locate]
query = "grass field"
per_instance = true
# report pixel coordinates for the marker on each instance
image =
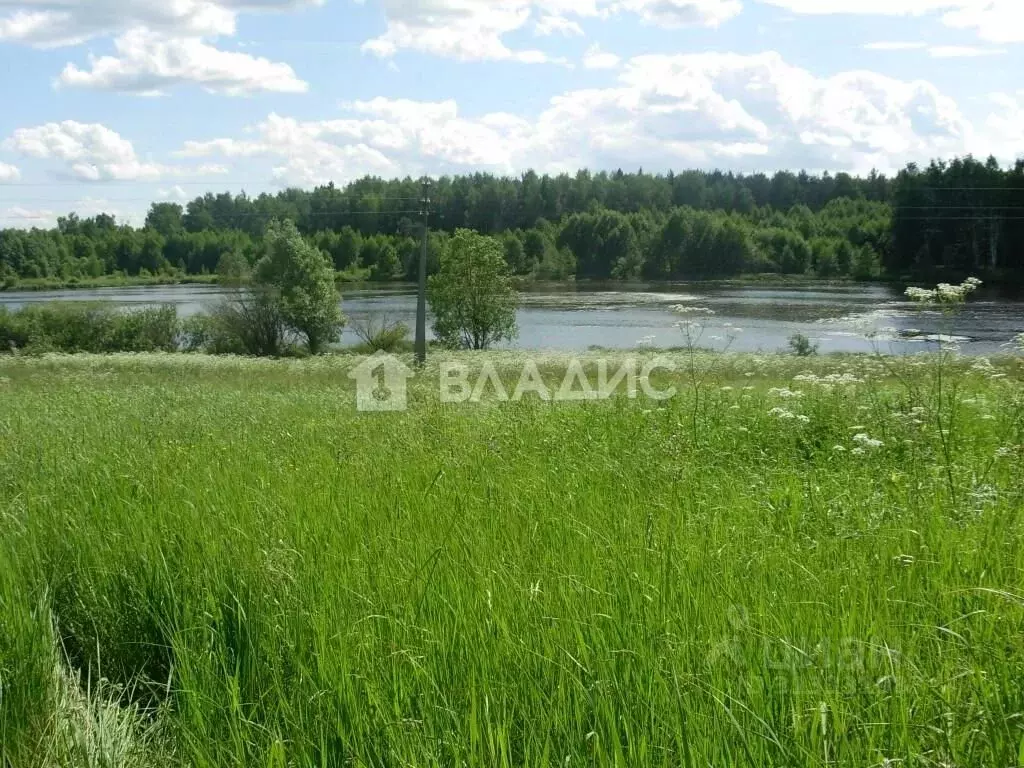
(219, 562)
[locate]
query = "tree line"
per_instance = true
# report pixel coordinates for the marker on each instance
(965, 215)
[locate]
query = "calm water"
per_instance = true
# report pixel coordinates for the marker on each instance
(576, 317)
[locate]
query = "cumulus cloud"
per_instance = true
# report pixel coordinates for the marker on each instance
(1004, 127)
(92, 152)
(49, 23)
(473, 30)
(147, 64)
(707, 110)
(8, 173)
(174, 193)
(552, 24)
(595, 58)
(684, 13)
(997, 21)
(382, 137)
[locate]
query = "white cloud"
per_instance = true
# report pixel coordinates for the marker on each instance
(893, 46)
(473, 30)
(174, 193)
(382, 137)
(997, 21)
(684, 13)
(19, 217)
(9, 174)
(1004, 127)
(595, 58)
(146, 64)
(92, 152)
(49, 23)
(706, 110)
(551, 24)
(962, 52)
(936, 51)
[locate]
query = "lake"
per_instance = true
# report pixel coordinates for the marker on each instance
(575, 317)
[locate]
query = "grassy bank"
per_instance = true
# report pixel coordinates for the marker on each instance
(106, 281)
(771, 568)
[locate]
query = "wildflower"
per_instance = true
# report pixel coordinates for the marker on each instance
(1004, 452)
(784, 393)
(838, 449)
(944, 293)
(864, 441)
(1017, 342)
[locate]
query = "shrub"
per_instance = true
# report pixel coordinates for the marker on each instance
(381, 335)
(249, 322)
(88, 327)
(801, 346)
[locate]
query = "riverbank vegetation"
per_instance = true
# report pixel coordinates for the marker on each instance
(949, 219)
(795, 561)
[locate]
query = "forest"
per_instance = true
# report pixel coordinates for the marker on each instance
(947, 219)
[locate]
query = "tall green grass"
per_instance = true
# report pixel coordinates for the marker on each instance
(268, 578)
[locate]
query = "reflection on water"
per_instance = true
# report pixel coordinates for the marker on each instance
(578, 316)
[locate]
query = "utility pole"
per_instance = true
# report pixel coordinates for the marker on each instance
(421, 302)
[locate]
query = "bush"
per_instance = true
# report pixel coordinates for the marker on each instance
(247, 323)
(380, 335)
(89, 327)
(801, 346)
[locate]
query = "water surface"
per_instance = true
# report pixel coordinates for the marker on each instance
(575, 317)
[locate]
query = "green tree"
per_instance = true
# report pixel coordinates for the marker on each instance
(472, 297)
(387, 266)
(233, 268)
(301, 279)
(165, 218)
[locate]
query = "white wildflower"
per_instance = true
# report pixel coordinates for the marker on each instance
(784, 393)
(944, 293)
(866, 441)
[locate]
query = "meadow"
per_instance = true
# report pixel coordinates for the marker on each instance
(216, 561)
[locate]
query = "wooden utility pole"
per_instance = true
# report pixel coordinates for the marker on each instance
(421, 302)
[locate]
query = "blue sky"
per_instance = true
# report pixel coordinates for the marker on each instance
(111, 104)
